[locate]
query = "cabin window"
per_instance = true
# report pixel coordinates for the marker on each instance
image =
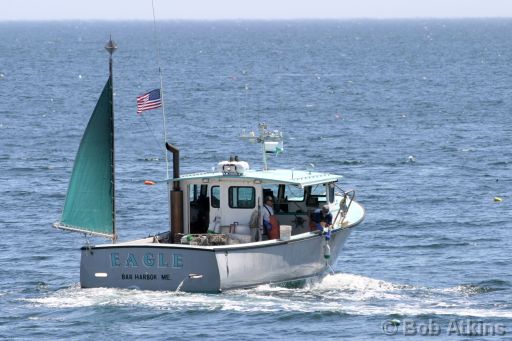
(271, 190)
(242, 197)
(196, 192)
(192, 192)
(319, 191)
(294, 193)
(277, 192)
(316, 195)
(215, 197)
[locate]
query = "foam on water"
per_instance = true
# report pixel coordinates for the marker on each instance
(342, 293)
(434, 242)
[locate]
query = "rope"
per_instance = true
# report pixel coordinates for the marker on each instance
(152, 132)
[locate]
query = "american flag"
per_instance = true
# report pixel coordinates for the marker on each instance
(148, 101)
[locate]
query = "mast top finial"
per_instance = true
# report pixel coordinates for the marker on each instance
(111, 46)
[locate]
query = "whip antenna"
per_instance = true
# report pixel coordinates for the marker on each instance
(157, 43)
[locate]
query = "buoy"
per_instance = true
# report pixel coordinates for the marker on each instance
(149, 182)
(327, 251)
(497, 199)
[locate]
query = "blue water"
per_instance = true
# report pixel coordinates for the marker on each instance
(415, 114)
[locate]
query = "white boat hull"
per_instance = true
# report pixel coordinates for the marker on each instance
(158, 266)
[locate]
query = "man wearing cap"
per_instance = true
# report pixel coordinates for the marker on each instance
(322, 218)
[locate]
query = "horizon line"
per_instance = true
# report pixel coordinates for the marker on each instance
(254, 19)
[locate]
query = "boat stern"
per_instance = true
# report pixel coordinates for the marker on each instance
(149, 268)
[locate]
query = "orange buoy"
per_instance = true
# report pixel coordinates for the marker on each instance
(149, 182)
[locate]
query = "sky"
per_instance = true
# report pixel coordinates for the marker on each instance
(249, 9)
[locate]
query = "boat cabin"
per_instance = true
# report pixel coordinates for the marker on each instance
(230, 200)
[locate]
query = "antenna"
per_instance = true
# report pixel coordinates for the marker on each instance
(157, 42)
(271, 141)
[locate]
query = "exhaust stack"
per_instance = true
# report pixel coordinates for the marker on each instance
(176, 195)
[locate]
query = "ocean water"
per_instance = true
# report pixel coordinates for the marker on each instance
(416, 114)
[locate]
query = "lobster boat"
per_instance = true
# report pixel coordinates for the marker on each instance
(216, 238)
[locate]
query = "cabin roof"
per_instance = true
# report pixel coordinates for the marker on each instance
(282, 176)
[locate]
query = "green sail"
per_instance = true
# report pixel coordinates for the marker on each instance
(89, 206)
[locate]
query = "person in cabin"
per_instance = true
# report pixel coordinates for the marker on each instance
(203, 204)
(270, 222)
(268, 211)
(322, 218)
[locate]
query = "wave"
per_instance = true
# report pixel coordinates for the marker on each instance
(149, 159)
(341, 293)
(434, 246)
(481, 287)
(22, 169)
(349, 162)
(499, 163)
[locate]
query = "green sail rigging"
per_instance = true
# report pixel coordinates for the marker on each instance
(89, 205)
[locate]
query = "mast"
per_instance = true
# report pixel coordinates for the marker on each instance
(175, 196)
(271, 141)
(90, 199)
(111, 48)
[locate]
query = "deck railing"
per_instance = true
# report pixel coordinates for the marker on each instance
(349, 196)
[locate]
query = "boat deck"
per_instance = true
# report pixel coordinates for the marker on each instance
(353, 217)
